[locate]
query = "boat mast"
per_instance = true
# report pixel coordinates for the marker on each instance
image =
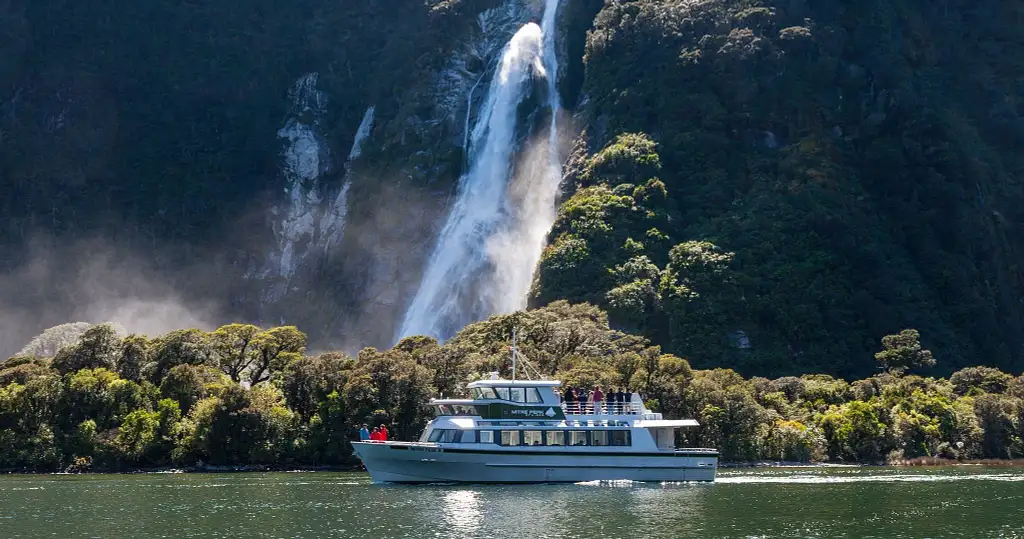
(513, 354)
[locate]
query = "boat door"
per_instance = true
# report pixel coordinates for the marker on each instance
(548, 474)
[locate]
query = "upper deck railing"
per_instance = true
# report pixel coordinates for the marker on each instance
(602, 408)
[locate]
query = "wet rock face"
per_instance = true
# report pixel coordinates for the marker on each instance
(227, 130)
(349, 288)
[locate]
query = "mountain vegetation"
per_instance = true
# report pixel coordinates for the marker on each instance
(759, 190)
(243, 395)
(774, 186)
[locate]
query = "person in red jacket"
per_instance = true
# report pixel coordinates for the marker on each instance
(375, 435)
(383, 433)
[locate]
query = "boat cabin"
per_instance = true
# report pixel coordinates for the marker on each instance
(532, 413)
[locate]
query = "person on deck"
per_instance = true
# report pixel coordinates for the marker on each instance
(611, 399)
(627, 400)
(364, 433)
(583, 397)
(598, 398)
(383, 433)
(570, 400)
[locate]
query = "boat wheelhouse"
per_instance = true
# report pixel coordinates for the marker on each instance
(520, 431)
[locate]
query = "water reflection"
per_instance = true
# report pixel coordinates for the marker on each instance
(462, 512)
(675, 505)
(960, 502)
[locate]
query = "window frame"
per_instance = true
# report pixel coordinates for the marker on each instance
(624, 436)
(550, 434)
(515, 438)
(571, 434)
(535, 435)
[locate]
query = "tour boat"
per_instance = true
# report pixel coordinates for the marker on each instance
(520, 431)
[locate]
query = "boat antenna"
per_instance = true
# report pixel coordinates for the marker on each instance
(514, 354)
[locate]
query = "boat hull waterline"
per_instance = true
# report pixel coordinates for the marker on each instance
(398, 462)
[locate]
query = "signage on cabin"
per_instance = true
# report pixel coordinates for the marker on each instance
(508, 411)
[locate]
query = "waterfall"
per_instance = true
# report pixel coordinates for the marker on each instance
(332, 225)
(494, 233)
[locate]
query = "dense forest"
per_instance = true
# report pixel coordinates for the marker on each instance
(773, 186)
(756, 190)
(242, 395)
(760, 185)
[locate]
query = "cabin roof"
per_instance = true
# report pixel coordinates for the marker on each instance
(516, 383)
(675, 423)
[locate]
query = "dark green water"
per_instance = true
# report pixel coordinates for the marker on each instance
(775, 502)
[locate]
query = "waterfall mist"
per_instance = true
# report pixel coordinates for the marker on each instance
(487, 251)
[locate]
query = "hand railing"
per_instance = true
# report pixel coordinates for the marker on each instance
(602, 408)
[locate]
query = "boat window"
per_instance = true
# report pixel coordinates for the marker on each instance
(620, 437)
(444, 409)
(533, 437)
(468, 437)
(487, 436)
(555, 437)
(483, 393)
(464, 409)
(445, 436)
(532, 395)
(599, 437)
(502, 392)
(577, 437)
(517, 394)
(509, 437)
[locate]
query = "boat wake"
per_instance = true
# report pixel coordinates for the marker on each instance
(879, 478)
(627, 483)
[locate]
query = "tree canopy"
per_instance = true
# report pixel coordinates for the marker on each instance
(90, 408)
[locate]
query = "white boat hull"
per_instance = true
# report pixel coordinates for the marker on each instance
(398, 462)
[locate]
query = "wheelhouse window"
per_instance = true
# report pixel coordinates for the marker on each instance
(555, 437)
(620, 437)
(509, 437)
(484, 393)
(502, 392)
(444, 409)
(578, 437)
(464, 409)
(516, 394)
(446, 436)
(532, 395)
(533, 437)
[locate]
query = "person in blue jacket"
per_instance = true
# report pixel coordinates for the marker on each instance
(364, 434)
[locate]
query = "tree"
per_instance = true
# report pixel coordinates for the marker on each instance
(985, 379)
(134, 356)
(180, 347)
(307, 382)
(234, 344)
(275, 348)
(903, 351)
(49, 342)
(99, 347)
(188, 384)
